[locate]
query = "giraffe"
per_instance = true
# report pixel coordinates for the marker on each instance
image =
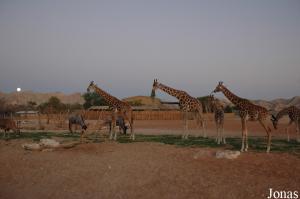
(294, 114)
(187, 105)
(218, 110)
(120, 108)
(248, 111)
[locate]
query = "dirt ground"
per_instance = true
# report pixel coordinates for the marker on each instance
(146, 170)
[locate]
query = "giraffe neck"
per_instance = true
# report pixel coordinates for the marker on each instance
(232, 97)
(171, 91)
(111, 100)
(282, 113)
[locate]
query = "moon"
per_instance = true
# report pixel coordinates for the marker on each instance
(18, 89)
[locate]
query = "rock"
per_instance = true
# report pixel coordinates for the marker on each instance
(49, 143)
(44, 143)
(228, 154)
(33, 146)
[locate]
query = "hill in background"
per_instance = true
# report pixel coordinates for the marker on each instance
(25, 96)
(279, 104)
(274, 105)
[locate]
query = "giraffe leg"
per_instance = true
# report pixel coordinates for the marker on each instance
(246, 139)
(217, 131)
(287, 133)
(297, 130)
(223, 139)
(81, 136)
(195, 117)
(70, 128)
(269, 142)
(187, 129)
(218, 134)
(200, 121)
(4, 133)
(114, 132)
(287, 130)
(129, 118)
(243, 134)
(111, 133)
(110, 126)
(132, 135)
(268, 135)
(203, 123)
(184, 125)
(131, 127)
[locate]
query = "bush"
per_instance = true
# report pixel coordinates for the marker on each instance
(93, 99)
(228, 109)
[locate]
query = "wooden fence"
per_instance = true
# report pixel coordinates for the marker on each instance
(101, 115)
(138, 115)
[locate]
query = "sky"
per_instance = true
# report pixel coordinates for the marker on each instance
(59, 45)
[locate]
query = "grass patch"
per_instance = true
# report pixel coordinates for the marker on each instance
(256, 144)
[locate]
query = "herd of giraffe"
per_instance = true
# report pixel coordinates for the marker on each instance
(192, 107)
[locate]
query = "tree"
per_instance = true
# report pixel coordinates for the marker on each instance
(93, 99)
(6, 108)
(31, 105)
(228, 109)
(73, 107)
(54, 103)
(206, 103)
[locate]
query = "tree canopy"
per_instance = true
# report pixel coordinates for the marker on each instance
(93, 99)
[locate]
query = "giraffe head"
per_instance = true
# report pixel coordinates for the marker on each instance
(154, 87)
(219, 87)
(91, 86)
(274, 121)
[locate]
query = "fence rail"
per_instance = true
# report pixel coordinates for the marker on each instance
(101, 115)
(138, 115)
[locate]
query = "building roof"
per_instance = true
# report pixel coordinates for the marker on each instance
(27, 112)
(136, 108)
(95, 108)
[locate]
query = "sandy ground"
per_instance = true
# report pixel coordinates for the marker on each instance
(146, 170)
